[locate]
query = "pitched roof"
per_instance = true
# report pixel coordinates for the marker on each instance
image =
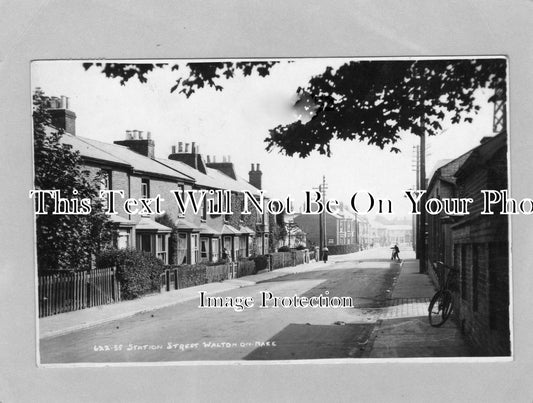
(482, 153)
(117, 154)
(200, 178)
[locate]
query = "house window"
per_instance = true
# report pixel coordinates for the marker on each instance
(464, 284)
(227, 245)
(237, 252)
(161, 247)
(182, 188)
(214, 249)
(123, 239)
(204, 249)
(194, 248)
(182, 249)
(145, 188)
(105, 184)
(498, 265)
(144, 242)
(475, 276)
(204, 209)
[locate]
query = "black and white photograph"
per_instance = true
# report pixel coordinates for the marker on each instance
(266, 201)
(336, 209)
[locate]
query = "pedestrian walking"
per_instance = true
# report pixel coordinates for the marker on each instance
(325, 253)
(395, 252)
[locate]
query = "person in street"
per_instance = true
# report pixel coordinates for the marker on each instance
(226, 256)
(325, 253)
(317, 253)
(395, 252)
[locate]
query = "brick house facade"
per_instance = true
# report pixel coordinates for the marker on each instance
(475, 244)
(481, 251)
(130, 165)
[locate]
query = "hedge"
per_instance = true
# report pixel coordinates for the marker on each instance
(137, 272)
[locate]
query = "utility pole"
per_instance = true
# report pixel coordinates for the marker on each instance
(416, 168)
(322, 217)
(422, 224)
(324, 188)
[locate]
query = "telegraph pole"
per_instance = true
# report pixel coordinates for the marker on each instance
(324, 188)
(322, 217)
(422, 224)
(416, 168)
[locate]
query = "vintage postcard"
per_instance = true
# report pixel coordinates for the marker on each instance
(272, 210)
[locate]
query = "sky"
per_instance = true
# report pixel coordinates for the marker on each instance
(236, 121)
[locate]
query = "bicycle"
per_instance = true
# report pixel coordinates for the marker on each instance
(441, 305)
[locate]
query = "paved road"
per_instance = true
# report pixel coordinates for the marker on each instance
(187, 332)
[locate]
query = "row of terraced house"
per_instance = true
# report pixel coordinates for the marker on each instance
(130, 165)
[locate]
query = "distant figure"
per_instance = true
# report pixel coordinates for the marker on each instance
(317, 253)
(325, 253)
(225, 255)
(395, 252)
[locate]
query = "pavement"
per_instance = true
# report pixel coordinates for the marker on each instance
(401, 323)
(68, 322)
(403, 329)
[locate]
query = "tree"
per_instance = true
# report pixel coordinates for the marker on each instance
(375, 101)
(370, 101)
(66, 242)
(199, 74)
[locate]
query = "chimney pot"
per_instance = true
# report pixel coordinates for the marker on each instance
(214, 158)
(180, 146)
(257, 169)
(128, 135)
(173, 149)
(63, 102)
(208, 159)
(251, 169)
(223, 158)
(140, 134)
(193, 148)
(148, 135)
(186, 148)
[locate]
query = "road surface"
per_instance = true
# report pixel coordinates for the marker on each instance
(187, 332)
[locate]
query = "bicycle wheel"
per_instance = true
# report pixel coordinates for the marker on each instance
(440, 308)
(448, 305)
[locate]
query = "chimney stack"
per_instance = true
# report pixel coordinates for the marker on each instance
(254, 176)
(61, 116)
(192, 158)
(135, 142)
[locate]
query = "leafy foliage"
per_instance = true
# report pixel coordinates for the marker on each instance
(65, 242)
(369, 101)
(198, 75)
(374, 101)
(261, 262)
(137, 272)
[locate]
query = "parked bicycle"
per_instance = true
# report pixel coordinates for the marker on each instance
(441, 305)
